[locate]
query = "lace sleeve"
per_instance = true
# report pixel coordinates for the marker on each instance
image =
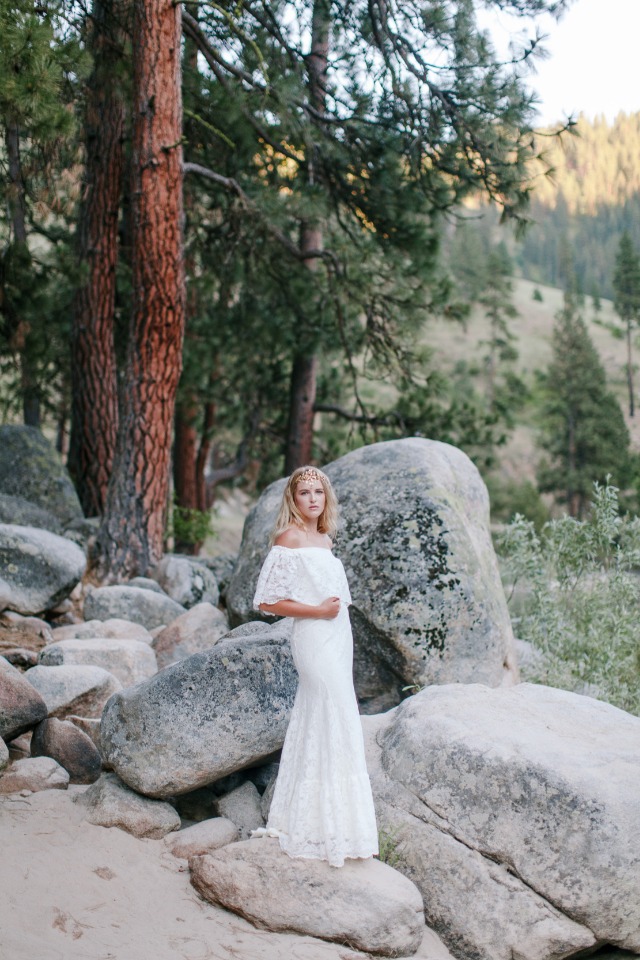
(279, 578)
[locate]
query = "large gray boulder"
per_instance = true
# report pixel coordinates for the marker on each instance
(365, 905)
(136, 604)
(131, 661)
(186, 581)
(38, 569)
(196, 631)
(515, 811)
(204, 717)
(73, 689)
(4, 754)
(21, 706)
(428, 604)
(30, 468)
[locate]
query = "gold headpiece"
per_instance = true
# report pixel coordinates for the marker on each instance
(309, 476)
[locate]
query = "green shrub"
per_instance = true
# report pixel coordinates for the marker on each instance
(537, 295)
(578, 591)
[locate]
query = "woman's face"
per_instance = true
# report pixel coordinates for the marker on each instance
(309, 498)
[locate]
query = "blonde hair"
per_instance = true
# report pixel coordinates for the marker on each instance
(289, 515)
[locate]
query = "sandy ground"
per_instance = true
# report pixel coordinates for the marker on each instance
(73, 891)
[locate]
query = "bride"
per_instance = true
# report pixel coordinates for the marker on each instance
(322, 806)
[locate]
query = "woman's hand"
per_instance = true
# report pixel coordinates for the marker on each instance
(329, 608)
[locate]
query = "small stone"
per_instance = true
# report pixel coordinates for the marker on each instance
(186, 581)
(130, 661)
(38, 569)
(21, 706)
(73, 689)
(131, 603)
(70, 747)
(34, 774)
(196, 631)
(242, 807)
(202, 837)
(109, 803)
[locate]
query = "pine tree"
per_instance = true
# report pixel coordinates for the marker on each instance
(94, 384)
(626, 285)
(131, 537)
(37, 125)
(583, 430)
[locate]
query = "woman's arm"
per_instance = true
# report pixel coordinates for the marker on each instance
(327, 610)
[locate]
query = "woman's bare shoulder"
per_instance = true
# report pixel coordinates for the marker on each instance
(291, 537)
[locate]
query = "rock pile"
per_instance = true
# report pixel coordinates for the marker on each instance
(509, 813)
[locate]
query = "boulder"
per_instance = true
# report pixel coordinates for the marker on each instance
(202, 837)
(30, 468)
(130, 661)
(70, 747)
(73, 689)
(428, 604)
(186, 581)
(21, 706)
(115, 629)
(204, 717)
(515, 812)
(83, 531)
(110, 803)
(38, 569)
(146, 583)
(365, 904)
(242, 807)
(4, 759)
(222, 569)
(89, 726)
(26, 514)
(20, 747)
(131, 603)
(196, 631)
(34, 774)
(19, 657)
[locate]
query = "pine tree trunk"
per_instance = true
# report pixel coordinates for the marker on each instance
(302, 400)
(20, 333)
(630, 371)
(94, 381)
(302, 396)
(131, 537)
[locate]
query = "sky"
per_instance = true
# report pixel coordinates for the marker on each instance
(593, 65)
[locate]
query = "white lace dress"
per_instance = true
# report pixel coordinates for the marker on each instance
(322, 806)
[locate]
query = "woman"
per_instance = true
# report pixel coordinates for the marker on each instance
(322, 806)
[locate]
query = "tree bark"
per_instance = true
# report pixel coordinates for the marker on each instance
(632, 408)
(21, 334)
(299, 439)
(94, 391)
(131, 537)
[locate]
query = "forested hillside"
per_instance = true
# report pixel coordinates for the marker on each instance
(581, 210)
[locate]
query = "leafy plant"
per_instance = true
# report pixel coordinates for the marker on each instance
(577, 586)
(189, 526)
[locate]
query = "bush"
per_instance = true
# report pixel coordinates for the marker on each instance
(579, 592)
(537, 295)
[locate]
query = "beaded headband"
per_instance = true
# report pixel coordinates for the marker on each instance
(309, 476)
